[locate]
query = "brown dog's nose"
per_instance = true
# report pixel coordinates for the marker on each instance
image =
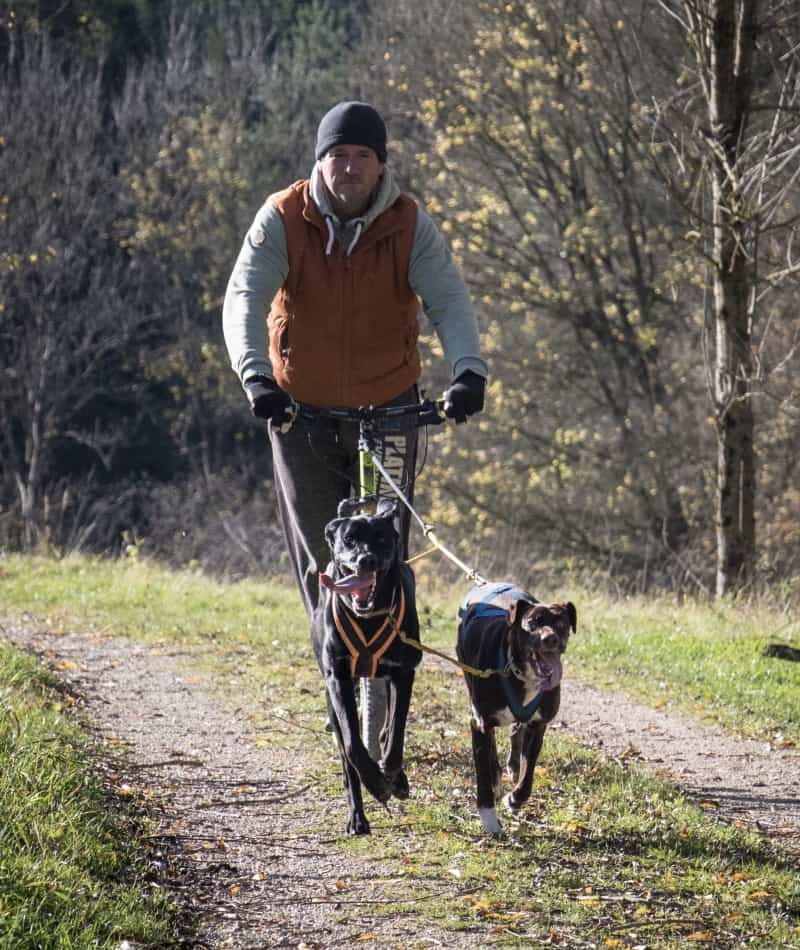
(549, 639)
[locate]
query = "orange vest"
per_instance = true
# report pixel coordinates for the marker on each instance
(343, 330)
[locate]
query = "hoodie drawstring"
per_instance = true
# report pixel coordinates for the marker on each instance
(331, 235)
(356, 236)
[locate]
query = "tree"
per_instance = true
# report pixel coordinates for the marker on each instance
(527, 141)
(734, 129)
(122, 208)
(67, 322)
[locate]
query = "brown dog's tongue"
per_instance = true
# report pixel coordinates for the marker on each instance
(550, 672)
(352, 584)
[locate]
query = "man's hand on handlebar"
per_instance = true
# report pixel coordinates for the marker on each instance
(464, 397)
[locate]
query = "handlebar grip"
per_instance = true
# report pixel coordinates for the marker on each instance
(431, 414)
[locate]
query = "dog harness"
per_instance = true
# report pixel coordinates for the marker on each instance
(486, 606)
(365, 654)
(518, 711)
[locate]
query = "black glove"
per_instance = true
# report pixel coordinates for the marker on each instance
(267, 400)
(465, 396)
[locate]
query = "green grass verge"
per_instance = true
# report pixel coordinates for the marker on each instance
(603, 855)
(707, 659)
(71, 875)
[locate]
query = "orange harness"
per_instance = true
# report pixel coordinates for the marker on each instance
(366, 654)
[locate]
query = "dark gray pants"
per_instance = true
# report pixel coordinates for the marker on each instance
(315, 466)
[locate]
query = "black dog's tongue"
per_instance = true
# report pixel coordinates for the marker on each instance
(352, 584)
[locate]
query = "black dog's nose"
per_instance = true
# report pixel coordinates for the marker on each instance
(367, 563)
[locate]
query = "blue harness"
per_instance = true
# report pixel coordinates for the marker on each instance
(483, 609)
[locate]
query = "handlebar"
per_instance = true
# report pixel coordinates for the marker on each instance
(427, 411)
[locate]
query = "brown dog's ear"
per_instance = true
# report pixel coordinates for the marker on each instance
(572, 613)
(515, 611)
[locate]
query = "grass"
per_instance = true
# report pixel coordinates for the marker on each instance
(703, 658)
(603, 855)
(71, 875)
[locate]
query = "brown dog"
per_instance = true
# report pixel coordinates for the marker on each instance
(506, 629)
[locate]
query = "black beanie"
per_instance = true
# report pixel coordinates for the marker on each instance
(352, 123)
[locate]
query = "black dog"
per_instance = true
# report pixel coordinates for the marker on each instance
(367, 595)
(505, 629)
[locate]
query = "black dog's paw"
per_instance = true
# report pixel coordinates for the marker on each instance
(399, 785)
(381, 791)
(357, 824)
(375, 781)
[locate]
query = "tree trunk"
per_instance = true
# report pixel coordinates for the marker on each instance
(731, 36)
(735, 516)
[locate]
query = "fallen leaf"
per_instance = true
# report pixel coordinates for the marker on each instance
(704, 936)
(67, 665)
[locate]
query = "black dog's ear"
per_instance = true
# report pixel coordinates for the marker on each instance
(347, 506)
(330, 531)
(386, 508)
(572, 613)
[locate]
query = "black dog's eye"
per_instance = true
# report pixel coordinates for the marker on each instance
(386, 539)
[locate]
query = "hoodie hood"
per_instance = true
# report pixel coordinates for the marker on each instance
(349, 232)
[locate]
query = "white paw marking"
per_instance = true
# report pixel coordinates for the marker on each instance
(509, 803)
(489, 821)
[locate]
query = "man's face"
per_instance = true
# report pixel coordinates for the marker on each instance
(350, 173)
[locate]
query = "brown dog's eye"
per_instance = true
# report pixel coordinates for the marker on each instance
(535, 621)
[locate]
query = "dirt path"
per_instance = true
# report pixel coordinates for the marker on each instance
(254, 847)
(740, 778)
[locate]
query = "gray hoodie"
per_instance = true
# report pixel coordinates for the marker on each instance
(263, 265)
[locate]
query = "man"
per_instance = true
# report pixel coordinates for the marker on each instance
(341, 262)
